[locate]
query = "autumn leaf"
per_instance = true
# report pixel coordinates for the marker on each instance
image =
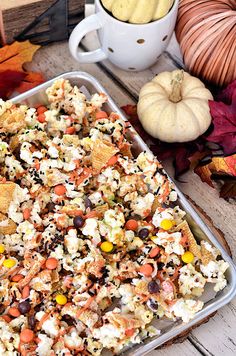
(228, 190)
(199, 156)
(13, 56)
(223, 170)
(13, 77)
(231, 163)
(31, 80)
(204, 173)
(130, 111)
(223, 166)
(9, 81)
(226, 165)
(226, 95)
(224, 121)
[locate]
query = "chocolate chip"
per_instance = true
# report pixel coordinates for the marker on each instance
(24, 307)
(88, 203)
(78, 222)
(32, 321)
(50, 207)
(153, 287)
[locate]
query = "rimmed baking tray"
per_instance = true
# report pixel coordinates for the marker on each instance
(169, 329)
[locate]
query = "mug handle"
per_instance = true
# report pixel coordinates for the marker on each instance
(87, 25)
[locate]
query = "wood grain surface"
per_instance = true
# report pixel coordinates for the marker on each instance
(10, 4)
(15, 16)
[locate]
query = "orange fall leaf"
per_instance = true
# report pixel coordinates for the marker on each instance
(205, 174)
(13, 56)
(30, 81)
(225, 166)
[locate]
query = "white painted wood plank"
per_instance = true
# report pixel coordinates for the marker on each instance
(184, 349)
(174, 50)
(218, 336)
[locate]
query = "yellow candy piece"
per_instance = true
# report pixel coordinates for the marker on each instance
(153, 238)
(187, 257)
(106, 246)
(9, 263)
(167, 224)
(2, 248)
(61, 299)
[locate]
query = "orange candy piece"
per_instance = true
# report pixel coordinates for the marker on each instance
(70, 130)
(131, 225)
(26, 213)
(51, 263)
(154, 252)
(25, 292)
(59, 189)
(146, 270)
(101, 115)
(41, 109)
(13, 311)
(37, 165)
(26, 336)
(17, 277)
(41, 118)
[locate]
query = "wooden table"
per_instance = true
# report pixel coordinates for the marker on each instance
(218, 336)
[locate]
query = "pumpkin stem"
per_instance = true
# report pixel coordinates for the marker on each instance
(176, 83)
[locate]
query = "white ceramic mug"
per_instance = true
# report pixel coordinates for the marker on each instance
(129, 46)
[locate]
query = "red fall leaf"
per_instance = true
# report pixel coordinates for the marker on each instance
(224, 120)
(9, 81)
(31, 80)
(228, 190)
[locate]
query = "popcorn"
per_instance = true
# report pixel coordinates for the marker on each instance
(190, 281)
(142, 205)
(45, 345)
(215, 273)
(186, 309)
(170, 242)
(50, 325)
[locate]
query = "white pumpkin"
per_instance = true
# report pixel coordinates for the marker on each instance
(138, 11)
(174, 107)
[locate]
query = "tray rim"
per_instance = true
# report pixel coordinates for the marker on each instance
(211, 306)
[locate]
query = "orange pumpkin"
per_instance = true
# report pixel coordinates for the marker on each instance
(206, 31)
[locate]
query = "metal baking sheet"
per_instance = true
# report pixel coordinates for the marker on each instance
(169, 329)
